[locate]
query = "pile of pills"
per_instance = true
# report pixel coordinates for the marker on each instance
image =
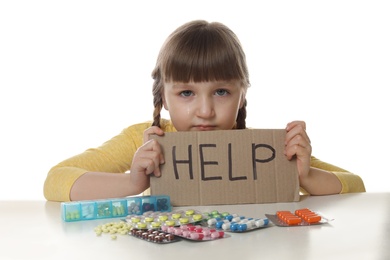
(113, 228)
(300, 217)
(157, 220)
(234, 222)
(195, 232)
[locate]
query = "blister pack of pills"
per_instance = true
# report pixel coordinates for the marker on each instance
(300, 217)
(195, 232)
(155, 236)
(160, 220)
(235, 222)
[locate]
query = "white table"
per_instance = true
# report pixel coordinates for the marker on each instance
(360, 230)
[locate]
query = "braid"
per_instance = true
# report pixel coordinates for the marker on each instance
(241, 117)
(157, 102)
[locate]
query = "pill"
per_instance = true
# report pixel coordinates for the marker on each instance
(229, 217)
(149, 219)
(186, 233)
(212, 221)
(261, 222)
(197, 236)
(206, 232)
(242, 227)
(218, 234)
(220, 223)
(141, 225)
(224, 214)
(197, 217)
(226, 226)
(233, 226)
(237, 219)
(191, 228)
(163, 218)
(178, 231)
(156, 224)
(198, 229)
(313, 219)
(135, 219)
(169, 237)
(183, 227)
(170, 223)
(190, 212)
(293, 221)
(184, 220)
(176, 215)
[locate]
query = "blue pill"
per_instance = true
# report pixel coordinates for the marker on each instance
(233, 226)
(241, 227)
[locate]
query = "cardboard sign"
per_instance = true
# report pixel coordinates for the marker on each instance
(226, 167)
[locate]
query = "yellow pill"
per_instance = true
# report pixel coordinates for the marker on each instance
(141, 225)
(197, 217)
(190, 212)
(184, 220)
(149, 219)
(135, 219)
(170, 223)
(176, 215)
(163, 217)
(113, 237)
(156, 224)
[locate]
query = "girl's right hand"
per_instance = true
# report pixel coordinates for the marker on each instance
(149, 156)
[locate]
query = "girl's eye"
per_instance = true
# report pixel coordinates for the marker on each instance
(186, 93)
(221, 92)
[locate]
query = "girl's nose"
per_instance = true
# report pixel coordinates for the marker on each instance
(205, 108)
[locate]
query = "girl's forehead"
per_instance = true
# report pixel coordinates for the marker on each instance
(205, 83)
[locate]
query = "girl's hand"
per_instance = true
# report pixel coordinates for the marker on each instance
(297, 144)
(147, 159)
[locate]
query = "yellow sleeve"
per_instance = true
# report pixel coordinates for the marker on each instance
(350, 182)
(114, 156)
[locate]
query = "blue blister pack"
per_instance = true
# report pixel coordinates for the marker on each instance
(112, 208)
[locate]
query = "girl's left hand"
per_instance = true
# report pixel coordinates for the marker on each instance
(297, 144)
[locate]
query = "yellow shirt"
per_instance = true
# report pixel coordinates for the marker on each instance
(115, 156)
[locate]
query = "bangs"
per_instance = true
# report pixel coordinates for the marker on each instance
(206, 52)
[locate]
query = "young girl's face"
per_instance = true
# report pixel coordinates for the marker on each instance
(203, 106)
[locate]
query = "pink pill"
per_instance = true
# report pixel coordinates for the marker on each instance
(191, 228)
(197, 236)
(217, 234)
(206, 232)
(178, 231)
(184, 227)
(198, 230)
(186, 233)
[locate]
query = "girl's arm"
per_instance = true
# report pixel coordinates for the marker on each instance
(98, 185)
(146, 161)
(320, 182)
(314, 180)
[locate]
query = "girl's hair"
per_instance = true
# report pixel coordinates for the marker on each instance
(200, 51)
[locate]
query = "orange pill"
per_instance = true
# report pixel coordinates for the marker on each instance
(313, 219)
(293, 221)
(300, 212)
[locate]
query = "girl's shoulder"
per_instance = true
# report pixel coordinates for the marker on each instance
(166, 126)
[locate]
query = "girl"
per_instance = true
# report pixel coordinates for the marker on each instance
(201, 79)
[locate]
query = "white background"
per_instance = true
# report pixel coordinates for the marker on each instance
(75, 73)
